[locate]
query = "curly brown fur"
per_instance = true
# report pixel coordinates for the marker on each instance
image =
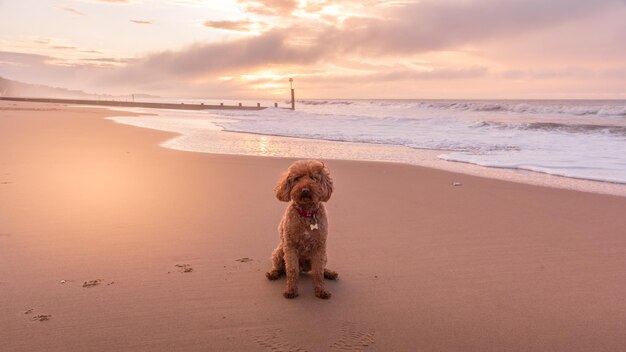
(306, 186)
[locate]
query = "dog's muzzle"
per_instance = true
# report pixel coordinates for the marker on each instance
(306, 193)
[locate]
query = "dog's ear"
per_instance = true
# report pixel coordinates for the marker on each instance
(327, 184)
(283, 188)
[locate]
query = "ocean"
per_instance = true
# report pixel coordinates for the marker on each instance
(520, 140)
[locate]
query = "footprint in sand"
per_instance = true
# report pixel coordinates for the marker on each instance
(244, 260)
(42, 317)
(275, 341)
(352, 338)
(92, 283)
(184, 268)
(38, 317)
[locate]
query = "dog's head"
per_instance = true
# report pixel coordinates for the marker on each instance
(306, 182)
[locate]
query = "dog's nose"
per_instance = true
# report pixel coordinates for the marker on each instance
(306, 192)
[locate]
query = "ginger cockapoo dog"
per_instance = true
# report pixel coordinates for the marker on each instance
(304, 227)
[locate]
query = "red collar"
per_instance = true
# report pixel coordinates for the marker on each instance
(306, 213)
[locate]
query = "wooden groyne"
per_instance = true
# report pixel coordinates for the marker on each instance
(130, 104)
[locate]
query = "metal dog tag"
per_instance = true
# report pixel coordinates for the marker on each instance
(314, 223)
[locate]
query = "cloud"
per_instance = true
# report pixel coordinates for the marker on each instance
(270, 48)
(434, 25)
(33, 68)
(414, 28)
(108, 60)
(91, 51)
(55, 50)
(48, 62)
(187, 2)
(239, 26)
(396, 75)
(436, 74)
(616, 73)
(24, 59)
(542, 74)
(72, 11)
(269, 7)
(111, 2)
(392, 75)
(64, 47)
(81, 73)
(142, 21)
(385, 38)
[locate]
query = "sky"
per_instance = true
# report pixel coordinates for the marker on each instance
(429, 49)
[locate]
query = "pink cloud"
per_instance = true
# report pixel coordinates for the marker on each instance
(433, 25)
(240, 25)
(72, 11)
(269, 7)
(270, 48)
(417, 27)
(397, 34)
(141, 22)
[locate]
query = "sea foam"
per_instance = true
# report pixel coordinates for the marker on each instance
(575, 139)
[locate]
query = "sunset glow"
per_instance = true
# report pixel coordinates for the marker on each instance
(344, 49)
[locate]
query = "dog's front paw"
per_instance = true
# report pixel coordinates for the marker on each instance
(273, 275)
(323, 294)
(290, 293)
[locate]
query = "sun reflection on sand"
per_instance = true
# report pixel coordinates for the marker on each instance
(263, 146)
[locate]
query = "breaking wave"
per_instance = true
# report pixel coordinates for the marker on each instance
(568, 108)
(574, 139)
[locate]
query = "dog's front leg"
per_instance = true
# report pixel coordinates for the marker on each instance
(292, 267)
(318, 263)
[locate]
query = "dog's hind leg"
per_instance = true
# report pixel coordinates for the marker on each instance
(278, 264)
(330, 274)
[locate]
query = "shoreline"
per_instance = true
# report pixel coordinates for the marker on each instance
(468, 168)
(99, 227)
(289, 147)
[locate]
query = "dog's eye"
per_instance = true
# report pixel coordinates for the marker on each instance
(297, 178)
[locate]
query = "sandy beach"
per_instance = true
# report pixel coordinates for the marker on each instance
(109, 242)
